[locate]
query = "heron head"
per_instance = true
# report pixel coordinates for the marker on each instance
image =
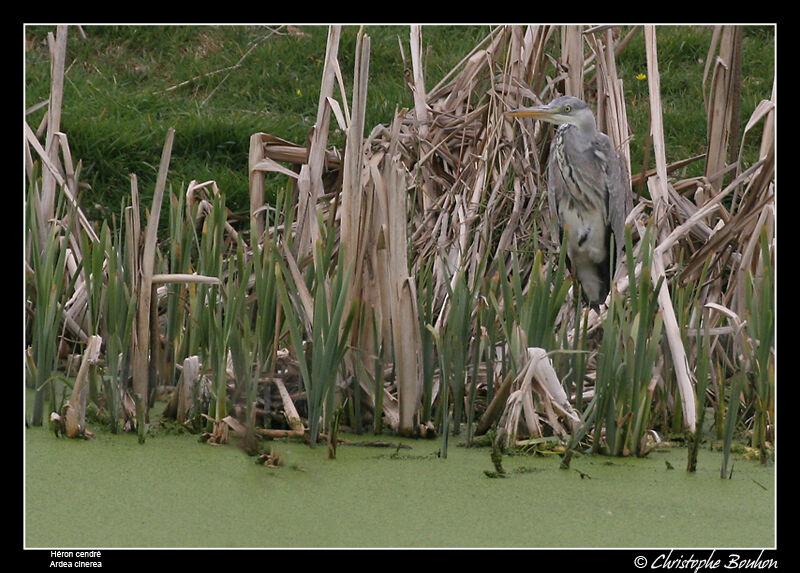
(564, 109)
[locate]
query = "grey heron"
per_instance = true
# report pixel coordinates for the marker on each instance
(588, 192)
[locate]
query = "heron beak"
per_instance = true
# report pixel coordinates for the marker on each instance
(539, 112)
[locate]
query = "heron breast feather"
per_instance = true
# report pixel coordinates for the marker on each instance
(586, 239)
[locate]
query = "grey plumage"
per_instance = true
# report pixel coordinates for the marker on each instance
(588, 192)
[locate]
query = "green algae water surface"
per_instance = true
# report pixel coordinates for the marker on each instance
(174, 491)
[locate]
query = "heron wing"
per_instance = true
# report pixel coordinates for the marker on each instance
(619, 193)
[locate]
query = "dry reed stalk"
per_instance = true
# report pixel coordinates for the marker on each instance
(189, 380)
(141, 335)
(74, 313)
(768, 133)
(379, 254)
(420, 108)
(402, 302)
(377, 293)
(658, 188)
(58, 50)
(302, 290)
(280, 150)
(764, 110)
(292, 417)
(312, 188)
(572, 59)
(52, 166)
(611, 110)
(756, 210)
(711, 206)
(275, 434)
(738, 228)
(496, 407)
(724, 99)
(68, 181)
(266, 150)
(537, 376)
(353, 217)
(491, 40)
(205, 206)
(658, 182)
(70, 187)
(535, 43)
(357, 228)
(133, 229)
(456, 167)
(75, 316)
(74, 412)
(184, 278)
(256, 178)
(641, 177)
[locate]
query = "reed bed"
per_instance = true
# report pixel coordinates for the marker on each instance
(413, 279)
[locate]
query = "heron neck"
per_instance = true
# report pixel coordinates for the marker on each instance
(586, 129)
(586, 125)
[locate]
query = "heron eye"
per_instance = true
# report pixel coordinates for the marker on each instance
(567, 108)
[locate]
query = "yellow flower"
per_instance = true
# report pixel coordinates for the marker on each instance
(641, 77)
(298, 92)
